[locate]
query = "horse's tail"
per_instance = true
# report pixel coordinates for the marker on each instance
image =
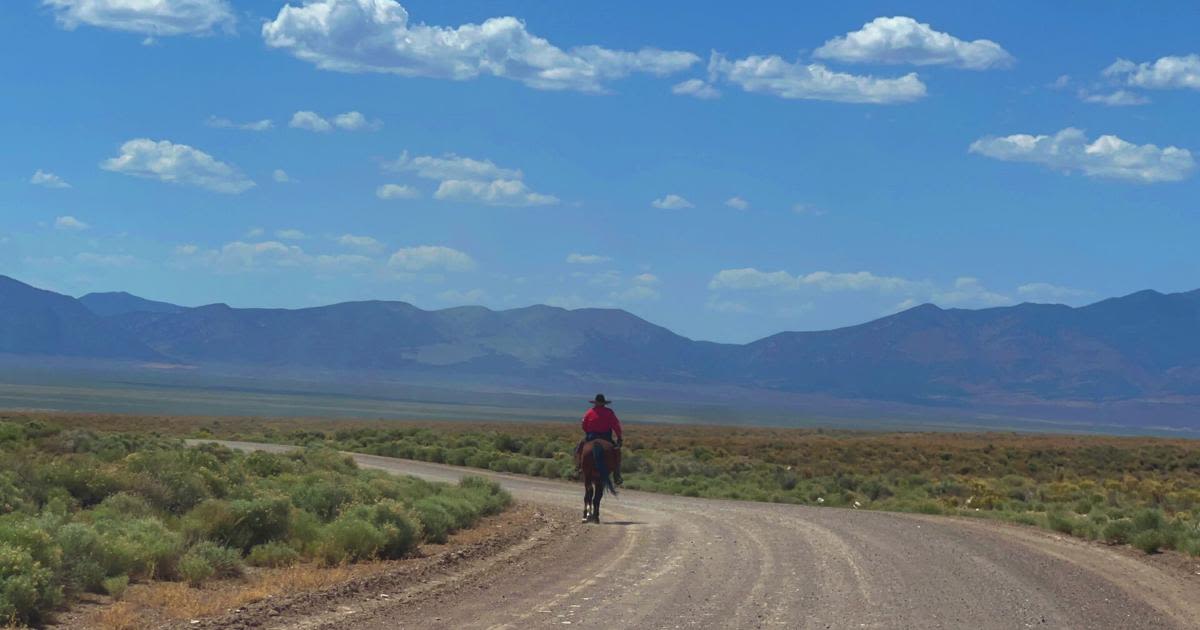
(602, 466)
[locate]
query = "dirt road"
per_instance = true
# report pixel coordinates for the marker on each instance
(674, 562)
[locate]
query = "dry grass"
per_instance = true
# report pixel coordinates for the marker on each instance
(175, 601)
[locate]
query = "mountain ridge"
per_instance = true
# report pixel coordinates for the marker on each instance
(1144, 345)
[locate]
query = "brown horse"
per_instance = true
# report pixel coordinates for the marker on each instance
(598, 459)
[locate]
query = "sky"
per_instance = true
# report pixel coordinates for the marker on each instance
(726, 172)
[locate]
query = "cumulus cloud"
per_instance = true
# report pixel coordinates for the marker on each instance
(749, 278)
(586, 259)
(903, 40)
(362, 243)
(1172, 72)
(737, 203)
(451, 166)
(177, 164)
(281, 176)
(243, 256)
(349, 121)
(377, 36)
(157, 18)
(70, 223)
(1107, 156)
(48, 180)
(778, 77)
(217, 122)
(671, 202)
(696, 88)
(290, 234)
(1119, 98)
(969, 291)
(431, 258)
(1046, 292)
(397, 191)
(499, 192)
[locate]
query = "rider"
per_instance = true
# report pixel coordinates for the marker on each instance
(600, 423)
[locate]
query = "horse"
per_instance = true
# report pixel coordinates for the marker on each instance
(598, 458)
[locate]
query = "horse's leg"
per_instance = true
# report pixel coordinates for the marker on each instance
(596, 502)
(587, 499)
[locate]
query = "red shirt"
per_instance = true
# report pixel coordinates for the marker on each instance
(601, 419)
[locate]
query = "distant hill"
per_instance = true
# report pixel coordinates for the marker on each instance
(37, 322)
(1141, 347)
(120, 302)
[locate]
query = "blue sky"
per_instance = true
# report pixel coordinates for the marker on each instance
(725, 172)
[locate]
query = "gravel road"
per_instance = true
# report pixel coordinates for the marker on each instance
(675, 562)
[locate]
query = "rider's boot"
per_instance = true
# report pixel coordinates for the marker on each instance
(617, 479)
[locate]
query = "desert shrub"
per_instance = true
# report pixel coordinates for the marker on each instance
(27, 589)
(272, 554)
(1118, 532)
(241, 524)
(324, 498)
(1149, 519)
(83, 558)
(435, 520)
(401, 530)
(1149, 540)
(350, 538)
(225, 562)
(139, 547)
(195, 570)
(115, 586)
(1060, 522)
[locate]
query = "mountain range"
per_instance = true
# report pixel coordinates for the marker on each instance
(1140, 347)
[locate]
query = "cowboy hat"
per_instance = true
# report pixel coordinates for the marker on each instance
(600, 400)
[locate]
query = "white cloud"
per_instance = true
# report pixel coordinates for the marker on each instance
(903, 40)
(281, 176)
(1061, 83)
(696, 88)
(310, 121)
(397, 191)
(48, 180)
(105, 260)
(69, 222)
(646, 279)
(586, 259)
(471, 296)
(750, 278)
(1165, 73)
(451, 166)
(1107, 156)
(1046, 292)
(186, 249)
(149, 17)
(377, 36)
(244, 256)
(290, 234)
(968, 291)
(773, 75)
(255, 232)
(737, 203)
(1119, 98)
(500, 192)
(431, 257)
(363, 243)
(177, 164)
(217, 122)
(354, 121)
(672, 202)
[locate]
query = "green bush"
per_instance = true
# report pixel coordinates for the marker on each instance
(195, 570)
(27, 589)
(272, 554)
(116, 586)
(435, 520)
(224, 561)
(1060, 522)
(350, 538)
(1118, 532)
(83, 558)
(1150, 540)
